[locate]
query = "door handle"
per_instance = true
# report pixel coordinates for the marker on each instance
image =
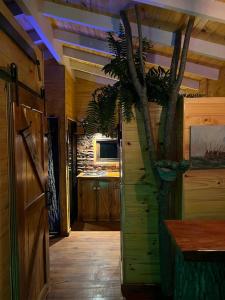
(94, 188)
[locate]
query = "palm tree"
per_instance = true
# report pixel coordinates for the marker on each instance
(134, 90)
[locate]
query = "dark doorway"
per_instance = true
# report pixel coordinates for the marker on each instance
(53, 176)
(72, 169)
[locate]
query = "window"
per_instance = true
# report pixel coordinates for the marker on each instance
(107, 150)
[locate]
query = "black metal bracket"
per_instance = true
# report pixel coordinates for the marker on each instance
(5, 75)
(14, 72)
(42, 93)
(38, 69)
(11, 75)
(14, 79)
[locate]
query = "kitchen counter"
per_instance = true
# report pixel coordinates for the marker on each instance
(101, 176)
(99, 196)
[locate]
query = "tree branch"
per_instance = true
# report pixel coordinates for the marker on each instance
(130, 57)
(140, 89)
(140, 39)
(184, 52)
(176, 56)
(175, 86)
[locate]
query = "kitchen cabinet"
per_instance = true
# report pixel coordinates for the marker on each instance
(98, 199)
(115, 200)
(103, 200)
(87, 195)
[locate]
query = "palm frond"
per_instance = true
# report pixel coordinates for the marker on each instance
(158, 85)
(101, 113)
(117, 68)
(127, 101)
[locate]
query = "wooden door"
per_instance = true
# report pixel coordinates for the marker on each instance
(103, 201)
(88, 199)
(115, 200)
(31, 175)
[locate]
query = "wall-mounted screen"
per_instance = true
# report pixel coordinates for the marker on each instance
(107, 150)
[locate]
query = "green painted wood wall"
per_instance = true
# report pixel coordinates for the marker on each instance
(139, 232)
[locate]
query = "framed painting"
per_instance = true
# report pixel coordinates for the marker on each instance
(207, 146)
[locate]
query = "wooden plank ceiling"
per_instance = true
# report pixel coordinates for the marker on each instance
(151, 16)
(207, 34)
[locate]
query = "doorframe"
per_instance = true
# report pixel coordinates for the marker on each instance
(73, 123)
(56, 166)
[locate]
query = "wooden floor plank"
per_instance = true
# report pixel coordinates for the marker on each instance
(86, 265)
(96, 226)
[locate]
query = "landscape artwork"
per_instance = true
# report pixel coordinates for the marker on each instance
(207, 146)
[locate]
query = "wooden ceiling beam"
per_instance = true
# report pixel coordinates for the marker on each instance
(93, 78)
(109, 81)
(42, 26)
(85, 56)
(97, 71)
(207, 9)
(198, 70)
(79, 16)
(107, 23)
(88, 68)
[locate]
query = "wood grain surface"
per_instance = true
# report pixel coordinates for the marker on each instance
(199, 239)
(4, 203)
(203, 190)
(86, 266)
(139, 212)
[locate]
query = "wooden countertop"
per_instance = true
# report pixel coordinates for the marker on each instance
(199, 240)
(105, 175)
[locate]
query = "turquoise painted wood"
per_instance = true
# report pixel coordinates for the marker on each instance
(199, 280)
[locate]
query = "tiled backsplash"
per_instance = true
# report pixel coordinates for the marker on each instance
(85, 156)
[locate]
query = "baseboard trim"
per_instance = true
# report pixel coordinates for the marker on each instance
(148, 290)
(66, 233)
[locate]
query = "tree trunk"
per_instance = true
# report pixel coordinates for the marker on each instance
(148, 131)
(165, 188)
(165, 245)
(169, 126)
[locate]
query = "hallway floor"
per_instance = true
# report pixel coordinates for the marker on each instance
(96, 226)
(86, 265)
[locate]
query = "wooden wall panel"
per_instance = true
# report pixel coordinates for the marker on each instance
(140, 253)
(134, 154)
(4, 200)
(137, 202)
(55, 96)
(214, 88)
(83, 90)
(203, 190)
(60, 95)
(10, 52)
(55, 88)
(70, 96)
(70, 113)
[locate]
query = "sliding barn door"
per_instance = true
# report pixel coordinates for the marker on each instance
(31, 175)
